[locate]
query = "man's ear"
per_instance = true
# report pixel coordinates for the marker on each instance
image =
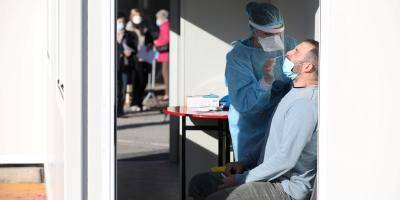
(309, 68)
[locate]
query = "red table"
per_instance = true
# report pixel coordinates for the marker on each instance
(223, 134)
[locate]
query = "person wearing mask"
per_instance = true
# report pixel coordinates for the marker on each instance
(126, 48)
(139, 27)
(162, 47)
(284, 166)
(254, 88)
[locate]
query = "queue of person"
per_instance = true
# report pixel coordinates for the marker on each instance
(135, 34)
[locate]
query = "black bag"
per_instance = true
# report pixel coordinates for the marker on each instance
(131, 39)
(163, 49)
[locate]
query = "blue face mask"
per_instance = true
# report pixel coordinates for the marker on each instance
(120, 26)
(287, 68)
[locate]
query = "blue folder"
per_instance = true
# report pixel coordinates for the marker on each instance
(146, 55)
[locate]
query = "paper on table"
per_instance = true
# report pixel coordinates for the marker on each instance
(203, 109)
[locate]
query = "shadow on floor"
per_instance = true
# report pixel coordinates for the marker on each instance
(138, 125)
(152, 157)
(147, 178)
(142, 114)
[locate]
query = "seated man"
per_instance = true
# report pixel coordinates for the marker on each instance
(285, 164)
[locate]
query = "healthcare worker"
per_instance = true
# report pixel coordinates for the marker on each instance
(254, 76)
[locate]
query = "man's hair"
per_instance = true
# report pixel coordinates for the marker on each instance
(120, 15)
(313, 55)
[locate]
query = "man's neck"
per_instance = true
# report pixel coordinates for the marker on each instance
(300, 82)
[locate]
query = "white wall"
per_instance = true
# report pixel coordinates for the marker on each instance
(205, 40)
(205, 36)
(23, 76)
(359, 132)
(299, 17)
(55, 158)
(81, 125)
(66, 164)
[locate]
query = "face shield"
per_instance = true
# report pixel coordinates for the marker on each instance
(271, 38)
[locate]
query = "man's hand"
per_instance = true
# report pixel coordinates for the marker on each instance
(228, 182)
(268, 70)
(127, 53)
(234, 168)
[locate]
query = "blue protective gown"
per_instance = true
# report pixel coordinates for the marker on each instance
(250, 101)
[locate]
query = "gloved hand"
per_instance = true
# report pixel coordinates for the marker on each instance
(234, 168)
(268, 71)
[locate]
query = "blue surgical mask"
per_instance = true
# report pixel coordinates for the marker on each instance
(158, 22)
(287, 68)
(120, 26)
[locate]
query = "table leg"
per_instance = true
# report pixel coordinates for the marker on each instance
(221, 141)
(227, 143)
(183, 159)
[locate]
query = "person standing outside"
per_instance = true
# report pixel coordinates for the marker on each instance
(126, 49)
(254, 85)
(162, 47)
(138, 26)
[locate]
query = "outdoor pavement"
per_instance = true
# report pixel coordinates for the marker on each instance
(144, 170)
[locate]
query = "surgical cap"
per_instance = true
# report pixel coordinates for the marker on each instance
(264, 15)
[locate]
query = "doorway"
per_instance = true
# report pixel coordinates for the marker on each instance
(196, 56)
(143, 163)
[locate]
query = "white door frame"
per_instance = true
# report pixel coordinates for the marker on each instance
(323, 103)
(85, 167)
(109, 162)
(101, 92)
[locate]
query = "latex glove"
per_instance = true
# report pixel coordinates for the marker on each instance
(268, 71)
(234, 168)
